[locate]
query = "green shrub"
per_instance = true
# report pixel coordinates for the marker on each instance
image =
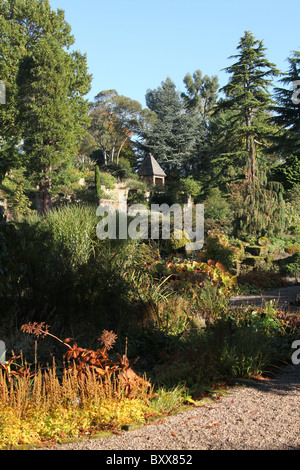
(291, 265)
(292, 249)
(264, 241)
(178, 241)
(219, 248)
(107, 180)
(217, 207)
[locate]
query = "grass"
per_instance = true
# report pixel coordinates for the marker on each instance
(52, 408)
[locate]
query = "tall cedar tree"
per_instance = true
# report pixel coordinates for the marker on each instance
(287, 142)
(249, 101)
(46, 88)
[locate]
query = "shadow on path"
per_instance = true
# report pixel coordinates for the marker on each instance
(287, 298)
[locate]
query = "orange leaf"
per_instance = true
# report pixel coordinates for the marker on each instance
(67, 340)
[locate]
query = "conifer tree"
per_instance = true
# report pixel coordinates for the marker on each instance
(287, 109)
(173, 137)
(199, 100)
(248, 98)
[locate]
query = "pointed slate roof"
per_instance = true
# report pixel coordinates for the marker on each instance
(150, 167)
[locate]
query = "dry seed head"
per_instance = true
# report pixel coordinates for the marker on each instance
(108, 338)
(37, 329)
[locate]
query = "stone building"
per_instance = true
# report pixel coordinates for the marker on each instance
(151, 172)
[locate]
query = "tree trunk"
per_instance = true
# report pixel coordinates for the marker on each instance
(44, 192)
(252, 158)
(120, 149)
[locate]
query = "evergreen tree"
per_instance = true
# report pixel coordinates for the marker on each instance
(47, 84)
(249, 101)
(258, 207)
(288, 109)
(287, 142)
(248, 98)
(173, 137)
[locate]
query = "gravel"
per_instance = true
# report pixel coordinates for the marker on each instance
(261, 415)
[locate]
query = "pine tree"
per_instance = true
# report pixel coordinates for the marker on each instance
(248, 98)
(249, 101)
(172, 139)
(287, 109)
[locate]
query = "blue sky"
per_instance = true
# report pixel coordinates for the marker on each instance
(133, 45)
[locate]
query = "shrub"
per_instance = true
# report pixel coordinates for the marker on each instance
(177, 242)
(90, 393)
(291, 265)
(292, 249)
(70, 231)
(216, 206)
(219, 248)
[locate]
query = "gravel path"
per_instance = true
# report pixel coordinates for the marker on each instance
(287, 297)
(264, 415)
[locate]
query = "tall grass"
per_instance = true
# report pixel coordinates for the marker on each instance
(52, 406)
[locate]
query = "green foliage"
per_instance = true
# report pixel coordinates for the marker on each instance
(288, 173)
(217, 207)
(258, 207)
(114, 120)
(249, 100)
(286, 143)
(71, 230)
(291, 265)
(190, 186)
(173, 137)
(15, 188)
(220, 248)
(97, 181)
(177, 242)
(293, 211)
(46, 111)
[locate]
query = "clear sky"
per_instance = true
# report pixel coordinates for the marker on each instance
(133, 45)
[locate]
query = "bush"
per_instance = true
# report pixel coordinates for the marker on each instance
(178, 241)
(291, 265)
(216, 206)
(219, 248)
(292, 249)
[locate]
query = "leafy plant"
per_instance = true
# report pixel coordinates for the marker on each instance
(82, 361)
(219, 248)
